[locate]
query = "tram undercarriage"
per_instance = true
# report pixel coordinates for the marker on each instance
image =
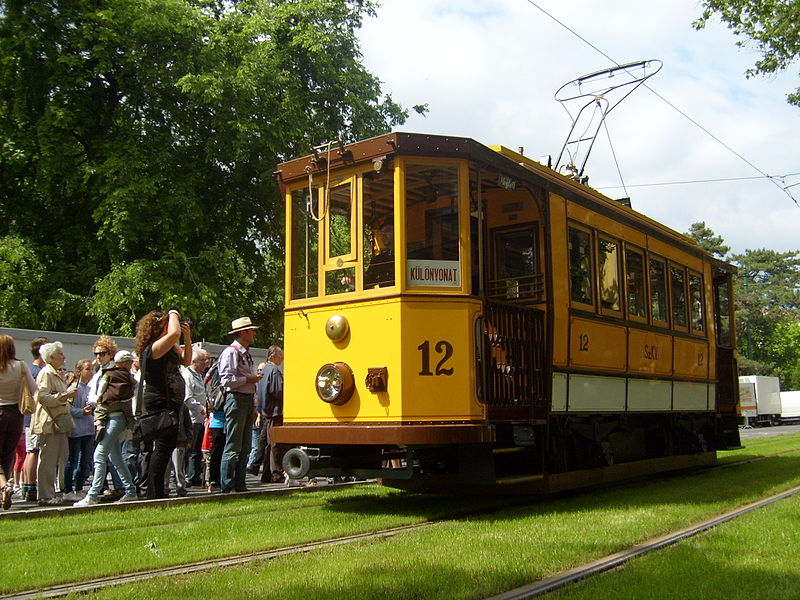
(572, 451)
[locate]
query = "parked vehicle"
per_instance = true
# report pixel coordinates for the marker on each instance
(760, 399)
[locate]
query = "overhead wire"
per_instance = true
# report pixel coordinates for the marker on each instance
(771, 178)
(693, 181)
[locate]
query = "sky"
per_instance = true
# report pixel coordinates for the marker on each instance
(489, 69)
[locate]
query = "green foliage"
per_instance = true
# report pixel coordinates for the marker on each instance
(767, 295)
(706, 239)
(138, 141)
(772, 26)
(21, 277)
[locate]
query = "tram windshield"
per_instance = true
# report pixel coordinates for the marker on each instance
(432, 225)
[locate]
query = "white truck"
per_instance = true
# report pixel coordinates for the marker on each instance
(790, 406)
(760, 399)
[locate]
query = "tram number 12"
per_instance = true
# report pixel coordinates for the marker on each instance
(442, 347)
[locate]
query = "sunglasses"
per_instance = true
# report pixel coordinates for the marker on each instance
(62, 370)
(100, 353)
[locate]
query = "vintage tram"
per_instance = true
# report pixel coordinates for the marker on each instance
(459, 315)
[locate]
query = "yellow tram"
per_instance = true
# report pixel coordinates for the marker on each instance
(460, 315)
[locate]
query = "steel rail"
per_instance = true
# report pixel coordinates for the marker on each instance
(615, 560)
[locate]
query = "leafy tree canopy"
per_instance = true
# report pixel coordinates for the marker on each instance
(772, 26)
(138, 141)
(767, 296)
(706, 239)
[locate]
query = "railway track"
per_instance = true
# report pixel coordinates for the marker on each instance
(529, 591)
(612, 561)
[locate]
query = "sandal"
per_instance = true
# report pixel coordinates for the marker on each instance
(8, 491)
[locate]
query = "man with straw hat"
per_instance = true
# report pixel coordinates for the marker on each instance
(239, 380)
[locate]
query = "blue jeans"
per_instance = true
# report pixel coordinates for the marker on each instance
(238, 433)
(109, 448)
(251, 460)
(78, 462)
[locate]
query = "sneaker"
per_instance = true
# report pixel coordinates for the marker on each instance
(7, 492)
(49, 502)
(182, 492)
(18, 493)
(88, 501)
(71, 497)
(129, 498)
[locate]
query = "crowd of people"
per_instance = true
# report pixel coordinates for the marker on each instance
(129, 425)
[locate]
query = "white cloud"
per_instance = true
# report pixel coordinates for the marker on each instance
(488, 70)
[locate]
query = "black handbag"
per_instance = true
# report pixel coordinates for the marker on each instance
(155, 424)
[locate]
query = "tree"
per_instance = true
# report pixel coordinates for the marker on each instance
(138, 142)
(772, 25)
(767, 311)
(706, 239)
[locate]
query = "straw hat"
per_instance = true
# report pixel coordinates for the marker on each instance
(241, 324)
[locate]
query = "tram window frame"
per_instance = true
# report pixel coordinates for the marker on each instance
(588, 260)
(348, 257)
(532, 290)
(651, 258)
(309, 265)
(438, 211)
(644, 297)
(723, 311)
(694, 276)
(601, 239)
(676, 302)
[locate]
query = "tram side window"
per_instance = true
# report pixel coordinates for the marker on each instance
(580, 266)
(378, 263)
(340, 222)
(608, 257)
(696, 302)
(634, 274)
(305, 245)
(678, 288)
(658, 290)
(723, 312)
(515, 264)
(432, 225)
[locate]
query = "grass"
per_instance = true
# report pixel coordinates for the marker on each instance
(754, 556)
(473, 557)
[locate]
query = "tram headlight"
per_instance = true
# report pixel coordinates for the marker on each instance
(335, 383)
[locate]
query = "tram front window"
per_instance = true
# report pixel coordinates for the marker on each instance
(432, 225)
(305, 244)
(379, 253)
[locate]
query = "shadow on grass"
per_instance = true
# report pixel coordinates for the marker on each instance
(734, 485)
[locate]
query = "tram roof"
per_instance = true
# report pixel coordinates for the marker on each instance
(504, 159)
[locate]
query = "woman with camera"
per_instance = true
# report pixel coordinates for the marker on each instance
(157, 337)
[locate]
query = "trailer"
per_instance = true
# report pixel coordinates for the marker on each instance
(760, 399)
(790, 406)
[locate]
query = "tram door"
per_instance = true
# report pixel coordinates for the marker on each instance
(727, 388)
(513, 327)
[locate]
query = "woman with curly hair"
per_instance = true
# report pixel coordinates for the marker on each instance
(13, 374)
(157, 336)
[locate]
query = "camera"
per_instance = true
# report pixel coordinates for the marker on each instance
(189, 323)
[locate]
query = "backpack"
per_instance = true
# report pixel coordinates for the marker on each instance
(216, 393)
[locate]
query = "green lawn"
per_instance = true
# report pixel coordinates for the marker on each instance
(754, 556)
(467, 558)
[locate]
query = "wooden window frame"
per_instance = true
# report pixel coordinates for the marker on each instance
(670, 266)
(592, 266)
(646, 284)
(662, 260)
(616, 312)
